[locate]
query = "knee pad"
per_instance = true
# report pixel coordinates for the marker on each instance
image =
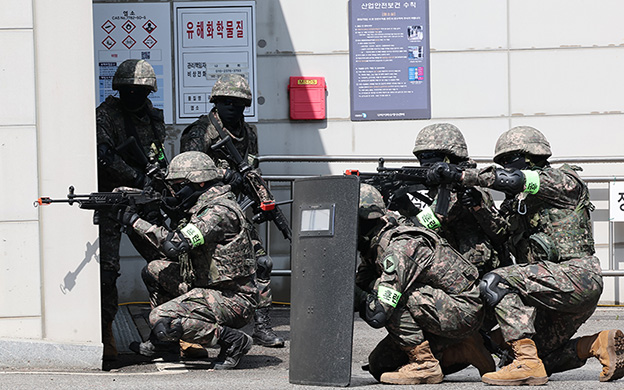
(491, 290)
(386, 357)
(265, 266)
(168, 329)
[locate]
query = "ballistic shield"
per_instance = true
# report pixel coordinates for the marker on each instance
(324, 256)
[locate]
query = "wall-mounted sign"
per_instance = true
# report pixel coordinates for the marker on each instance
(389, 60)
(133, 30)
(212, 38)
(616, 201)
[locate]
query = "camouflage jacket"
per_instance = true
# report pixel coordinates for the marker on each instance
(201, 135)
(476, 234)
(403, 258)
(222, 248)
(117, 168)
(551, 224)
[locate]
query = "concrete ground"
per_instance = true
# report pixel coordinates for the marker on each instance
(267, 368)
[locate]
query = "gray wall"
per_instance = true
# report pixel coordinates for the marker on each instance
(49, 278)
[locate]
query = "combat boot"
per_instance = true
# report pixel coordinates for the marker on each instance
(470, 351)
(192, 351)
(234, 344)
(526, 369)
(423, 367)
(263, 332)
(108, 341)
(155, 348)
(608, 347)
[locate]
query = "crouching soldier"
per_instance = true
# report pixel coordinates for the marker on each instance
(541, 302)
(420, 289)
(206, 290)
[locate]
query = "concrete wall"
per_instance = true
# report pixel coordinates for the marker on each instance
(49, 302)
(495, 64)
(554, 65)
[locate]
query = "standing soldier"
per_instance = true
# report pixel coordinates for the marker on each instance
(230, 95)
(205, 289)
(421, 289)
(542, 301)
(129, 129)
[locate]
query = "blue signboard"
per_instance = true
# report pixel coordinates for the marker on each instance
(389, 60)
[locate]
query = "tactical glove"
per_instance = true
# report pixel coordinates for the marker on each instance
(444, 173)
(233, 178)
(470, 197)
(127, 215)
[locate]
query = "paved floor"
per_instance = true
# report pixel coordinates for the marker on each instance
(267, 368)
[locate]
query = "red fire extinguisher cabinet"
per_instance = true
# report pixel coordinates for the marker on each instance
(307, 97)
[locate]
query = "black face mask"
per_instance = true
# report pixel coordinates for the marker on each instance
(186, 195)
(430, 157)
(230, 114)
(133, 98)
(515, 161)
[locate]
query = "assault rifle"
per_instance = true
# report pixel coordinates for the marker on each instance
(141, 200)
(395, 183)
(256, 189)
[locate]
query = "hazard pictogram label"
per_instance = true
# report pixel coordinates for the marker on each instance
(129, 42)
(108, 26)
(108, 42)
(149, 41)
(128, 26)
(149, 26)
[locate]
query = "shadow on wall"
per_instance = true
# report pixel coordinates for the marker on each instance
(277, 61)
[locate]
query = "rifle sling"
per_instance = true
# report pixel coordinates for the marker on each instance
(131, 131)
(233, 153)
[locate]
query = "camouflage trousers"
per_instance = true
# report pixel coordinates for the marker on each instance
(263, 275)
(265, 296)
(548, 303)
(430, 315)
(110, 238)
(433, 315)
(200, 311)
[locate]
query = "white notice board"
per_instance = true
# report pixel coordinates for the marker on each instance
(212, 38)
(616, 201)
(133, 30)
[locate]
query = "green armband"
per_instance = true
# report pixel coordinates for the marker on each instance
(388, 296)
(194, 235)
(531, 182)
(428, 219)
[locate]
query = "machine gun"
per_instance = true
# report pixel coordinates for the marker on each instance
(142, 200)
(255, 188)
(395, 183)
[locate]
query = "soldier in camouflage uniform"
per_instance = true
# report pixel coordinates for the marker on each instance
(230, 95)
(470, 225)
(417, 286)
(205, 289)
(542, 301)
(122, 163)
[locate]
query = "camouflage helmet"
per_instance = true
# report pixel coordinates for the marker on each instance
(372, 205)
(233, 85)
(135, 72)
(523, 139)
(443, 137)
(196, 167)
